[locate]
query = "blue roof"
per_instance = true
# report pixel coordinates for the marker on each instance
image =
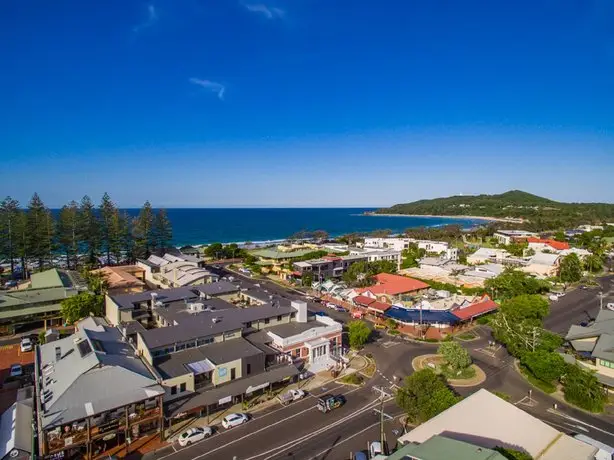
(428, 316)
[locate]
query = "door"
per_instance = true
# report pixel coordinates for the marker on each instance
(233, 373)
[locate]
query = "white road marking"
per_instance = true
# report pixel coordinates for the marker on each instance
(560, 414)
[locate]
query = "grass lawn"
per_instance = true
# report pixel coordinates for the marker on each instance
(503, 396)
(353, 379)
(467, 335)
(467, 373)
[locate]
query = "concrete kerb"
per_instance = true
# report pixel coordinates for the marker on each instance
(480, 376)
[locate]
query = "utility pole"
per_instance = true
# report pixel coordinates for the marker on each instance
(382, 435)
(601, 300)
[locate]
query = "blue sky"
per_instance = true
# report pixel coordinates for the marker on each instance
(305, 102)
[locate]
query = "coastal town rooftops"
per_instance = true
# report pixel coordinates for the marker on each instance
(602, 330)
(487, 420)
(128, 301)
(393, 285)
(441, 447)
(204, 324)
(181, 311)
(218, 288)
(481, 307)
(516, 233)
(559, 245)
(121, 276)
(542, 258)
(91, 372)
(177, 364)
(406, 315)
(274, 254)
(294, 328)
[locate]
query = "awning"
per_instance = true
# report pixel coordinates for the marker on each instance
(236, 388)
(200, 367)
(251, 389)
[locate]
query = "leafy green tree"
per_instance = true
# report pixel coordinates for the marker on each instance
(358, 275)
(517, 249)
(581, 387)
(411, 256)
(39, 231)
(358, 333)
(21, 241)
(424, 395)
(570, 269)
(593, 263)
(525, 306)
(512, 454)
(320, 235)
(144, 231)
(96, 282)
(9, 211)
(68, 232)
(522, 336)
(455, 355)
(163, 231)
(546, 366)
(81, 305)
(391, 324)
(89, 229)
(107, 213)
(215, 251)
(560, 236)
(307, 279)
(512, 283)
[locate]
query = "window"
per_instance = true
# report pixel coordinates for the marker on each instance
(205, 341)
(182, 387)
(248, 324)
(267, 320)
(233, 373)
(279, 318)
(605, 363)
(249, 368)
(174, 390)
(293, 315)
(180, 347)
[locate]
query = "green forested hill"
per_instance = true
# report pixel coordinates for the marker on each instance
(540, 212)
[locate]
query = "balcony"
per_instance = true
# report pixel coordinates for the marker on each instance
(143, 415)
(58, 440)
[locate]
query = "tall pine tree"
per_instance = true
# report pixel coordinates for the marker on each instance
(89, 229)
(68, 233)
(9, 210)
(163, 231)
(144, 231)
(107, 212)
(39, 231)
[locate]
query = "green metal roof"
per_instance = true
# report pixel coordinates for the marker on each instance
(440, 447)
(47, 279)
(274, 254)
(27, 311)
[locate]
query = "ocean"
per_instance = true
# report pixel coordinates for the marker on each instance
(226, 225)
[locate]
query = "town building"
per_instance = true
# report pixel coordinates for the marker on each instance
(93, 393)
(485, 271)
(594, 347)
(543, 265)
(376, 255)
(540, 245)
(39, 305)
(16, 431)
(391, 289)
(508, 237)
(175, 270)
(330, 266)
(123, 279)
(399, 244)
(486, 420)
(213, 345)
(441, 447)
(486, 255)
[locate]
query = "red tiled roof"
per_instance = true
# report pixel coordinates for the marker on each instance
(363, 300)
(379, 306)
(485, 305)
(394, 284)
(560, 245)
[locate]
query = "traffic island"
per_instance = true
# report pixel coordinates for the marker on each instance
(469, 377)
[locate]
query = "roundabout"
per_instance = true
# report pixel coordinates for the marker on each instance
(468, 377)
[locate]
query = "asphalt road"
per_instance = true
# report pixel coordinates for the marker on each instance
(578, 306)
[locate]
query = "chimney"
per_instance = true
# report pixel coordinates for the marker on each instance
(301, 308)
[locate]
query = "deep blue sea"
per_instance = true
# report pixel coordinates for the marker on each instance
(202, 226)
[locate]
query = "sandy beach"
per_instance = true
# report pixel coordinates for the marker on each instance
(493, 219)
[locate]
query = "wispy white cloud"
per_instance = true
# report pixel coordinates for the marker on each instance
(269, 12)
(213, 86)
(152, 18)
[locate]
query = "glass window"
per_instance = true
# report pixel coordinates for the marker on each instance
(249, 368)
(174, 390)
(267, 320)
(279, 318)
(182, 387)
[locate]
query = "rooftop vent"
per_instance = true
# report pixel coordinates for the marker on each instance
(216, 319)
(196, 307)
(58, 353)
(159, 303)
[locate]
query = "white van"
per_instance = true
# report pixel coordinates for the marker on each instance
(604, 452)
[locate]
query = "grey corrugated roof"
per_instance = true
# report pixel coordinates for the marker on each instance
(218, 288)
(108, 375)
(604, 324)
(178, 311)
(235, 388)
(174, 365)
(202, 325)
(604, 348)
(127, 301)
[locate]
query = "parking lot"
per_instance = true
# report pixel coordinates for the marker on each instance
(9, 355)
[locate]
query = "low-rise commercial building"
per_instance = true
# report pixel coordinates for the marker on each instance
(123, 279)
(539, 245)
(375, 255)
(485, 255)
(93, 393)
(389, 288)
(175, 270)
(508, 237)
(543, 265)
(488, 421)
(327, 267)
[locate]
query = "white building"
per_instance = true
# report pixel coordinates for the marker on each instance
(512, 236)
(543, 265)
(399, 244)
(484, 255)
(396, 244)
(486, 271)
(171, 271)
(374, 255)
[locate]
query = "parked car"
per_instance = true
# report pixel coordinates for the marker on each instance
(233, 420)
(610, 306)
(194, 435)
(331, 305)
(10, 284)
(341, 309)
(321, 313)
(290, 396)
(360, 455)
(16, 370)
(553, 297)
(375, 449)
(25, 345)
(357, 314)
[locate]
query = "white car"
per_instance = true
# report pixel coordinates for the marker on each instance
(26, 345)
(194, 435)
(553, 297)
(610, 306)
(375, 449)
(16, 370)
(233, 420)
(331, 305)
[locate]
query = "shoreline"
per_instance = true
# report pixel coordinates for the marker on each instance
(492, 219)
